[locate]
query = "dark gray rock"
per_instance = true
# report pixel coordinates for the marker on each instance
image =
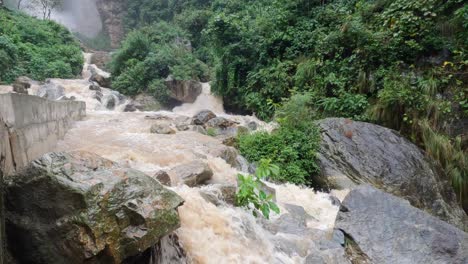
(387, 229)
(252, 125)
(199, 129)
(218, 194)
(80, 208)
(202, 117)
(162, 129)
(51, 91)
(220, 122)
(98, 96)
(131, 107)
(94, 86)
(354, 153)
(167, 251)
(194, 173)
(98, 77)
(163, 178)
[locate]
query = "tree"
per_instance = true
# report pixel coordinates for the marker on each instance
(47, 6)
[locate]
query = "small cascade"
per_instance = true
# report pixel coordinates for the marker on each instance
(205, 101)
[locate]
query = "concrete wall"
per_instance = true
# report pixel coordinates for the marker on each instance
(34, 126)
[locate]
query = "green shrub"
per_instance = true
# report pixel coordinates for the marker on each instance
(292, 149)
(36, 48)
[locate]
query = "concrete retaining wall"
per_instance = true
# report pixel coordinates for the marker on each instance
(34, 125)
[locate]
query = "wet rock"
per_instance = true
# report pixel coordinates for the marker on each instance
(219, 193)
(252, 125)
(110, 101)
(194, 173)
(228, 154)
(146, 102)
(163, 178)
(375, 222)
(199, 129)
(202, 117)
(80, 208)
(100, 77)
(51, 91)
(354, 153)
(183, 91)
(167, 251)
(182, 127)
(162, 129)
(98, 96)
(22, 84)
(335, 201)
(131, 108)
(94, 87)
(220, 122)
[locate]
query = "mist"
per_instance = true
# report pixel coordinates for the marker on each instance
(78, 16)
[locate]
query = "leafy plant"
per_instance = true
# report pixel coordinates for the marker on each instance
(250, 194)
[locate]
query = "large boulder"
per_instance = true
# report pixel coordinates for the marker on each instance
(354, 153)
(183, 91)
(99, 76)
(80, 208)
(202, 117)
(146, 102)
(387, 229)
(51, 90)
(220, 123)
(22, 84)
(194, 173)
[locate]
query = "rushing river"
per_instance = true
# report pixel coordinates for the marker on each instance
(209, 233)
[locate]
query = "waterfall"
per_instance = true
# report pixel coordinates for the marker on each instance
(205, 100)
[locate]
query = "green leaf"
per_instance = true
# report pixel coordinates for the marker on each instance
(266, 211)
(274, 207)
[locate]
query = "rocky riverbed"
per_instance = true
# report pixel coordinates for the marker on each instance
(100, 195)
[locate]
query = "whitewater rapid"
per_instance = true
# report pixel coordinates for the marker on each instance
(210, 234)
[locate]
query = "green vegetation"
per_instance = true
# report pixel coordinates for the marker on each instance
(398, 63)
(36, 48)
(149, 55)
(211, 132)
(293, 146)
(251, 195)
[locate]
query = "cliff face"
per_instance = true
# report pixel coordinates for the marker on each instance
(112, 12)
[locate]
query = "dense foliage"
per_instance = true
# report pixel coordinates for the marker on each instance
(36, 48)
(149, 55)
(399, 63)
(293, 146)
